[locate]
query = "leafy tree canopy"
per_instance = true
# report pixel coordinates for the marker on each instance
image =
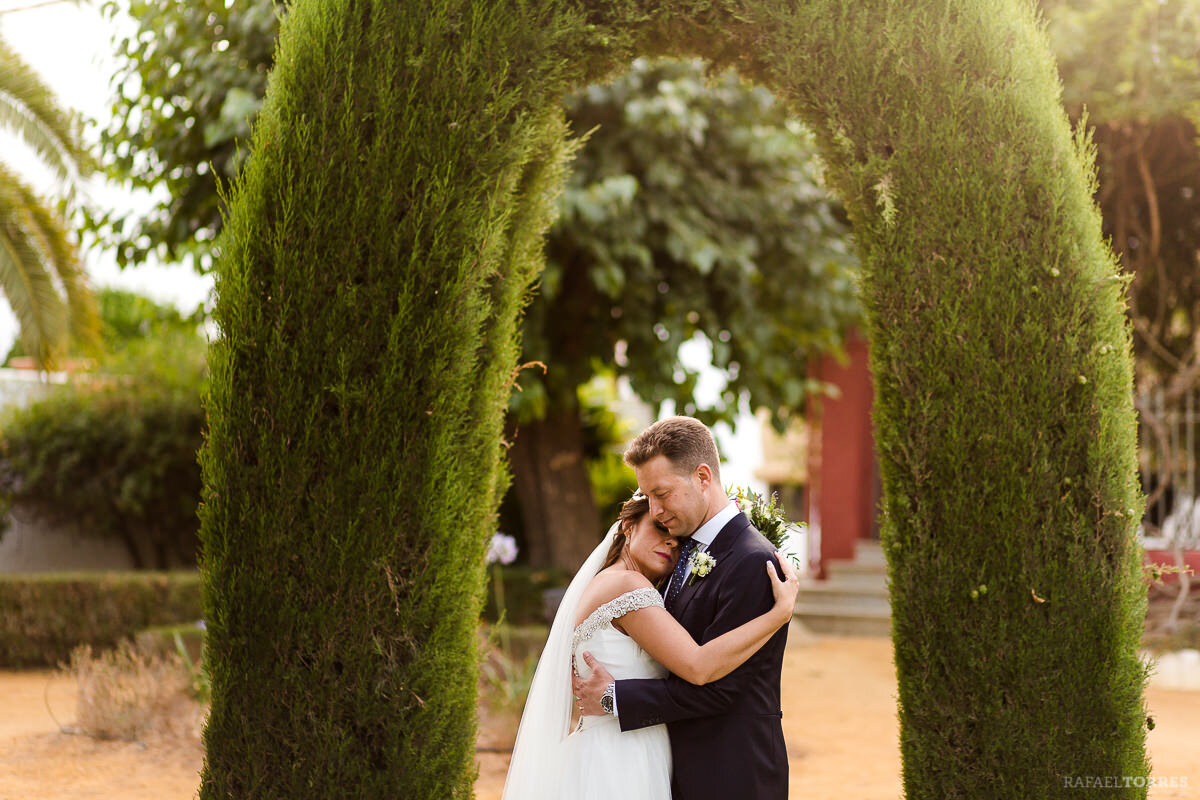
(140, 335)
(1126, 60)
(189, 82)
(1134, 69)
(192, 76)
(695, 208)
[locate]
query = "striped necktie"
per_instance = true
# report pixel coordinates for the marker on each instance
(679, 576)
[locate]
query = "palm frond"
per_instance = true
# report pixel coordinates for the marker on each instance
(62, 256)
(28, 284)
(28, 109)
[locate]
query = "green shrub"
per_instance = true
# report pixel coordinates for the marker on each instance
(43, 617)
(116, 460)
(129, 692)
(129, 323)
(366, 305)
(113, 454)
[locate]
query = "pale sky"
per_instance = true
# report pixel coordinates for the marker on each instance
(70, 45)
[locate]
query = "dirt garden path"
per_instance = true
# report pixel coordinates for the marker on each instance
(839, 720)
(39, 762)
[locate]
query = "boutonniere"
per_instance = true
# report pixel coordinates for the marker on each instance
(771, 521)
(700, 564)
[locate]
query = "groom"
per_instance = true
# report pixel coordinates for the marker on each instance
(726, 737)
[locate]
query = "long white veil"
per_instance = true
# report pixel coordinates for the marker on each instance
(535, 771)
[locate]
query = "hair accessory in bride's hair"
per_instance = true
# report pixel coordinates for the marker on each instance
(637, 494)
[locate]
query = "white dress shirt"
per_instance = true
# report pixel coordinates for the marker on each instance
(707, 533)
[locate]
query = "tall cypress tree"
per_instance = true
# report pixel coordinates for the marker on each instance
(1001, 361)
(381, 241)
(378, 248)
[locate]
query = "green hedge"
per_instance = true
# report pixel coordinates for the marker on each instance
(523, 589)
(378, 247)
(43, 617)
(115, 457)
(161, 638)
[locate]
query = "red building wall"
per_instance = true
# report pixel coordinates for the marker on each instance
(842, 498)
(842, 470)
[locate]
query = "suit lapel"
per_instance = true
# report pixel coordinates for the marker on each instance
(722, 544)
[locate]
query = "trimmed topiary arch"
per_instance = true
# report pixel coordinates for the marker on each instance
(377, 253)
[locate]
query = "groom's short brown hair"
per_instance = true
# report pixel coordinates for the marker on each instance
(685, 441)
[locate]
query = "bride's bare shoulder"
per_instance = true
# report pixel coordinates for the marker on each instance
(609, 584)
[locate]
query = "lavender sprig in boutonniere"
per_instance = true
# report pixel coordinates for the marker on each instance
(770, 519)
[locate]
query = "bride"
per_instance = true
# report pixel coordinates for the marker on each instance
(613, 610)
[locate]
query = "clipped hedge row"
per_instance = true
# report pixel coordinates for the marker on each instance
(523, 589)
(43, 617)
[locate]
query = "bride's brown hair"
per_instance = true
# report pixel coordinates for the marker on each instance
(632, 512)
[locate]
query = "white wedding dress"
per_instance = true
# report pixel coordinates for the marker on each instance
(595, 761)
(602, 763)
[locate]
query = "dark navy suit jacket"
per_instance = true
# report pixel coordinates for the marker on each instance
(726, 737)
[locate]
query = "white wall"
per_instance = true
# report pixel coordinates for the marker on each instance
(32, 546)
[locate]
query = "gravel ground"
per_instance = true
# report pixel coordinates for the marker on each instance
(839, 720)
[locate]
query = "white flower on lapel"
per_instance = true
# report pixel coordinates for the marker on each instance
(699, 565)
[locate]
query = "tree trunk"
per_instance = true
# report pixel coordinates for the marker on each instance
(555, 494)
(131, 546)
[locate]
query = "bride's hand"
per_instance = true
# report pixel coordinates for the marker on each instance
(786, 588)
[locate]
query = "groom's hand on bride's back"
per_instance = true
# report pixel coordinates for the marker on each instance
(590, 689)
